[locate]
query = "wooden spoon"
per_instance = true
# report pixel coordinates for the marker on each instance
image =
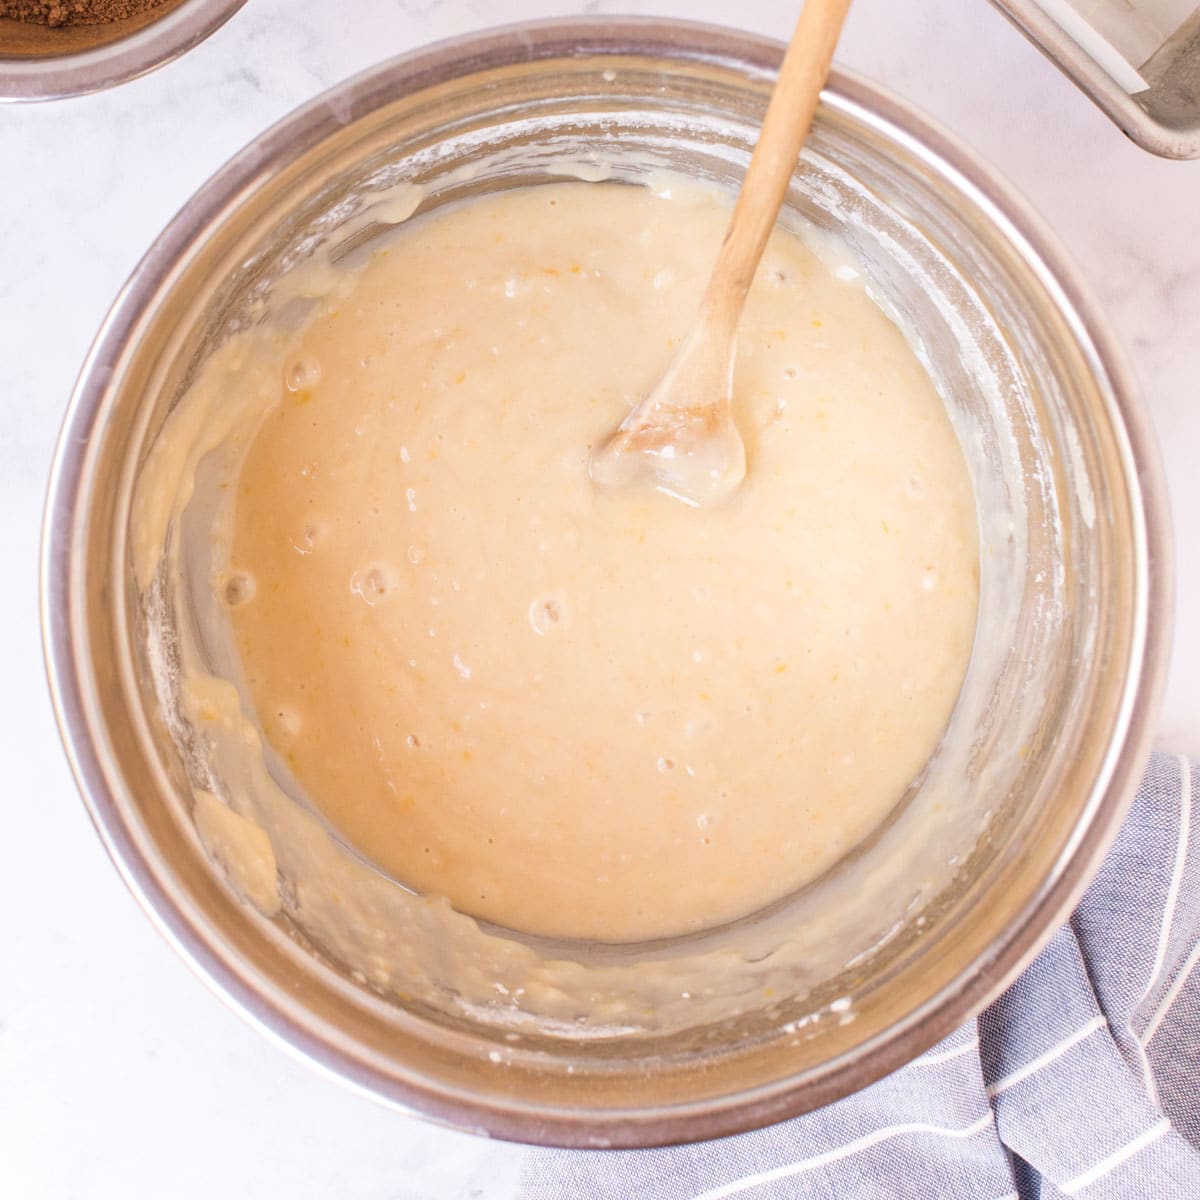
(682, 438)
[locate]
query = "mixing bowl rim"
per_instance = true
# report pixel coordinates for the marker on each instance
(282, 1017)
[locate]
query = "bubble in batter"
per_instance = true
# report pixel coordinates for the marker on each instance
(548, 613)
(373, 584)
(309, 538)
(239, 589)
(302, 374)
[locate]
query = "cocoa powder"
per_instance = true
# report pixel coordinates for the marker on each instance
(74, 12)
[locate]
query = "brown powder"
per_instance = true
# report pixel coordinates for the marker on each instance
(74, 12)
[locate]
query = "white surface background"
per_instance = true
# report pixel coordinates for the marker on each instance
(120, 1075)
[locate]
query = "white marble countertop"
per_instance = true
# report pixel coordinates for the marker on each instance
(120, 1075)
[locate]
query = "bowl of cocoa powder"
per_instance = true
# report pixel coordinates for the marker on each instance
(55, 48)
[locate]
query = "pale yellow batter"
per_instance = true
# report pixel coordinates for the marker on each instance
(589, 714)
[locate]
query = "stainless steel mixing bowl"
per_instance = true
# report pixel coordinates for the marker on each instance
(41, 63)
(997, 839)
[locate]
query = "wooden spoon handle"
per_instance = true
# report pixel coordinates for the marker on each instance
(786, 125)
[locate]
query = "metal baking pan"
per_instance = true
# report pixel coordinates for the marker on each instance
(1140, 62)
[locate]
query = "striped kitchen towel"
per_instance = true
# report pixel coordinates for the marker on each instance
(1083, 1079)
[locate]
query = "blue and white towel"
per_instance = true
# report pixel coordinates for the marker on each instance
(1083, 1079)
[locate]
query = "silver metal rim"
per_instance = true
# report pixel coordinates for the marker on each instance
(1134, 120)
(127, 58)
(235, 980)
